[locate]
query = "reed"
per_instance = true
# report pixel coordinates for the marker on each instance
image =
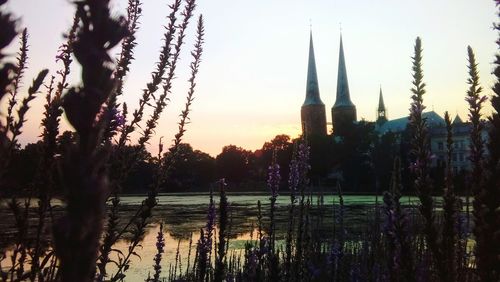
(160, 245)
(220, 271)
(85, 177)
(408, 245)
(421, 162)
(8, 23)
(487, 216)
(449, 244)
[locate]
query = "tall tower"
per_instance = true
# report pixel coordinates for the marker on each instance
(381, 112)
(343, 111)
(312, 113)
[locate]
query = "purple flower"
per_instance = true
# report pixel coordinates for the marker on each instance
(222, 183)
(211, 217)
(119, 118)
(313, 270)
(461, 225)
(299, 168)
(274, 179)
(336, 253)
(116, 117)
(390, 219)
(252, 261)
(416, 107)
(355, 273)
(476, 100)
(160, 245)
(264, 246)
(294, 176)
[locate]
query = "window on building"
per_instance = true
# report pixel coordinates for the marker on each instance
(461, 157)
(454, 157)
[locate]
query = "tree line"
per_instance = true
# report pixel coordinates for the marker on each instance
(362, 160)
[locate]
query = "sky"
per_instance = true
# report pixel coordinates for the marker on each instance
(252, 79)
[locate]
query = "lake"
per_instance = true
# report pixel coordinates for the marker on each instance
(183, 215)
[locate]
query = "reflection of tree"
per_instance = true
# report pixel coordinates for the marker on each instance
(180, 220)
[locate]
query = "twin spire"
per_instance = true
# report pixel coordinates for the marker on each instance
(313, 110)
(312, 87)
(343, 96)
(343, 111)
(312, 113)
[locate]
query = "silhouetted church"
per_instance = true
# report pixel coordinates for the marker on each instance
(381, 112)
(313, 114)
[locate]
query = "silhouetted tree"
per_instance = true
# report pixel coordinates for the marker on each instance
(384, 151)
(233, 164)
(193, 169)
(282, 147)
(353, 156)
(22, 168)
(320, 159)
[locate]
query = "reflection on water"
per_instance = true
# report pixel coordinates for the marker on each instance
(140, 267)
(183, 216)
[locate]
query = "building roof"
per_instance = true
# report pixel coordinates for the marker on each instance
(312, 87)
(343, 98)
(399, 125)
(457, 120)
(458, 130)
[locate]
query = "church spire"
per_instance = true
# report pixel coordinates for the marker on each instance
(381, 105)
(312, 87)
(312, 112)
(343, 95)
(381, 112)
(343, 111)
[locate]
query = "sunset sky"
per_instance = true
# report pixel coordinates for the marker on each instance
(252, 79)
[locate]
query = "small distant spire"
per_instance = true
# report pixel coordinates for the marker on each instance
(381, 105)
(381, 112)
